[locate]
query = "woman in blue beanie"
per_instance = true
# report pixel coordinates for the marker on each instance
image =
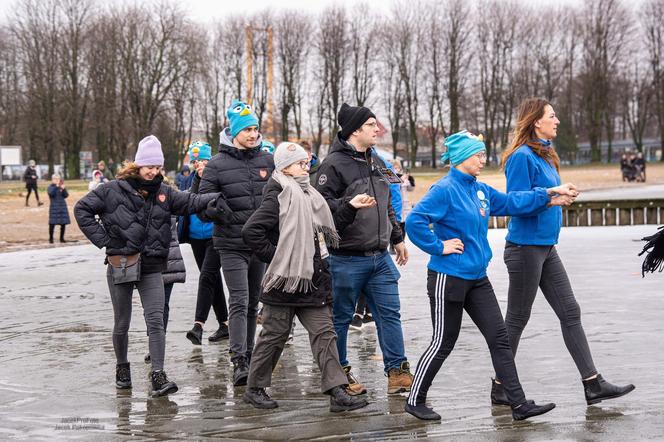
(458, 206)
(530, 253)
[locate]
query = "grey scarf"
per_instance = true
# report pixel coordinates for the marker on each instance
(303, 217)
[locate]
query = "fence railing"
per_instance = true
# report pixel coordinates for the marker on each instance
(604, 213)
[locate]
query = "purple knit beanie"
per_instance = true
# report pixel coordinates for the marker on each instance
(149, 152)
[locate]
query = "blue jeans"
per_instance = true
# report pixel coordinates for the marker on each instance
(377, 277)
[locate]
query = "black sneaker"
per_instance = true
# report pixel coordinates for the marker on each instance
(422, 412)
(530, 409)
(122, 376)
(240, 371)
(195, 335)
(340, 400)
(147, 359)
(161, 386)
(220, 334)
(259, 398)
(368, 320)
(356, 323)
(598, 389)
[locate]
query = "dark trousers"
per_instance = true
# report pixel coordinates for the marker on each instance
(533, 267)
(210, 285)
(243, 272)
(30, 188)
(277, 322)
(151, 290)
(449, 297)
(51, 230)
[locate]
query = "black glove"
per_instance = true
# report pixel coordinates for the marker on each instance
(218, 211)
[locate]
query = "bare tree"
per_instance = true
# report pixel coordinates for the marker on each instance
(332, 47)
(407, 24)
(604, 33)
(637, 95)
(457, 55)
(652, 17)
(361, 31)
(11, 93)
(434, 98)
(293, 30)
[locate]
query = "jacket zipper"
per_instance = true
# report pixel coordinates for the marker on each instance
(373, 189)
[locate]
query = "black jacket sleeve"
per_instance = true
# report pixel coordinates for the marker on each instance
(186, 203)
(332, 189)
(195, 183)
(85, 210)
(265, 219)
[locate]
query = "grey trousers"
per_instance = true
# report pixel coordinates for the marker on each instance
(151, 290)
(243, 273)
(276, 327)
(533, 267)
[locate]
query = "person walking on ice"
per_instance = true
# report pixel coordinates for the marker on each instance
(458, 207)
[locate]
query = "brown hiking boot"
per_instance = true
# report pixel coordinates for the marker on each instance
(354, 388)
(399, 379)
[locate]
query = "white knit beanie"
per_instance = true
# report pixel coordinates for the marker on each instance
(288, 153)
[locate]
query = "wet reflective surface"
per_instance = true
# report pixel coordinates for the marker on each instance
(57, 365)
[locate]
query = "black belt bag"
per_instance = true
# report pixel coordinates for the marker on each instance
(125, 268)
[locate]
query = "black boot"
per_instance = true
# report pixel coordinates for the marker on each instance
(195, 335)
(498, 396)
(598, 390)
(422, 412)
(530, 409)
(161, 386)
(340, 400)
(240, 371)
(122, 376)
(220, 334)
(259, 398)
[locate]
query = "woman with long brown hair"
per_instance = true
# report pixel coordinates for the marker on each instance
(530, 253)
(131, 218)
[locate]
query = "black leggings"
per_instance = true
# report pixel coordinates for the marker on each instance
(533, 267)
(448, 297)
(51, 230)
(210, 286)
(31, 188)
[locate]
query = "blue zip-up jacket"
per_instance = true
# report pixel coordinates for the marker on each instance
(395, 195)
(526, 170)
(459, 206)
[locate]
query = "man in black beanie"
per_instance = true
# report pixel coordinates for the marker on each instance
(354, 181)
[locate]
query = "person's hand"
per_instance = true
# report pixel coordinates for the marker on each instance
(452, 246)
(62, 186)
(362, 201)
(200, 166)
(561, 200)
(564, 189)
(402, 253)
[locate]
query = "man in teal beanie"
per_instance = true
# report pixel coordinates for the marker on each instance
(240, 116)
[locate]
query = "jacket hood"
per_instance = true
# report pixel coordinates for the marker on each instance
(341, 145)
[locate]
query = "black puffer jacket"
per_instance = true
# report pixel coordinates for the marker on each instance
(175, 269)
(346, 173)
(239, 176)
(123, 217)
(261, 233)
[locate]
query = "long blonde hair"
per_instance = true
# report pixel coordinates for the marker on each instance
(530, 111)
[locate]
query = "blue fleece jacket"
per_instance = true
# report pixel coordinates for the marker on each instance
(526, 170)
(458, 206)
(395, 195)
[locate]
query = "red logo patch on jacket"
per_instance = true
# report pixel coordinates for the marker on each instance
(263, 173)
(162, 197)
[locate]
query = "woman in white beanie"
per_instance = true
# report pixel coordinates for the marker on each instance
(131, 218)
(291, 231)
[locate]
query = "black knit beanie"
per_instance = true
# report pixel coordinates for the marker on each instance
(351, 118)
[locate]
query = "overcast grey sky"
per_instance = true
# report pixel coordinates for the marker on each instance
(205, 10)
